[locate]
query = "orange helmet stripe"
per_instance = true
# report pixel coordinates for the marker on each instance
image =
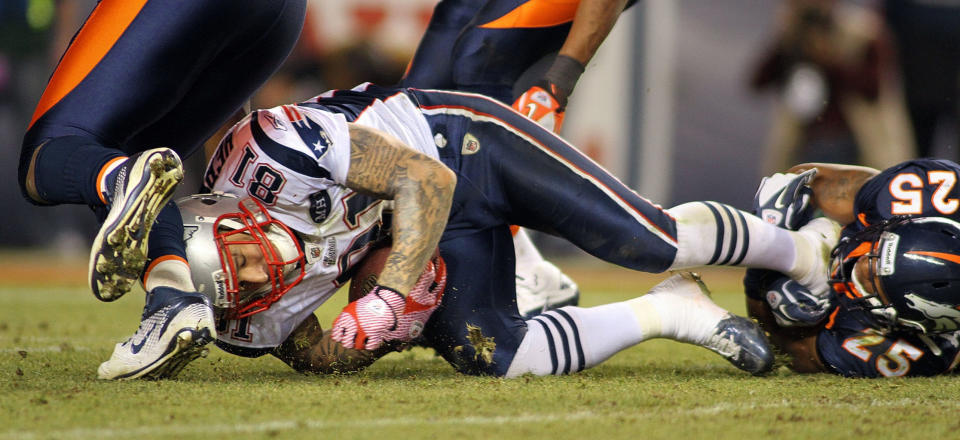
(860, 250)
(833, 318)
(953, 258)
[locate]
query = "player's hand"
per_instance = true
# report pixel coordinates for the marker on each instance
(783, 199)
(421, 302)
(793, 305)
(367, 322)
(542, 105)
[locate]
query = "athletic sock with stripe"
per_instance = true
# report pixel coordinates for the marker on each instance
(711, 233)
(571, 339)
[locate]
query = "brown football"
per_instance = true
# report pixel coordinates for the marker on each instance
(366, 275)
(368, 271)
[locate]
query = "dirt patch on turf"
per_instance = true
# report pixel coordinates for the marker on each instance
(34, 269)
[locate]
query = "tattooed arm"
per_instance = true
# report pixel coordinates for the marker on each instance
(835, 187)
(422, 190)
(309, 350)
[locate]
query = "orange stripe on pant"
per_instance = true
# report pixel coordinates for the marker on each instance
(102, 29)
(536, 14)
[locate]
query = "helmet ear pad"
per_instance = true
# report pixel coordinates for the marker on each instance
(918, 272)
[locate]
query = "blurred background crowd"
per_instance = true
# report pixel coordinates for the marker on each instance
(686, 100)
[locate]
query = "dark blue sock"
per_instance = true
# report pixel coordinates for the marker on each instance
(67, 168)
(166, 237)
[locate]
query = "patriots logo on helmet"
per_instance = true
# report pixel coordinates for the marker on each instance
(188, 231)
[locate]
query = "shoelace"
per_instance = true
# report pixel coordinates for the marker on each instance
(724, 344)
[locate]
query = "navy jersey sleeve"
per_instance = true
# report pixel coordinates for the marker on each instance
(922, 187)
(849, 349)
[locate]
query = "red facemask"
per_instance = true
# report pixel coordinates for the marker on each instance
(254, 220)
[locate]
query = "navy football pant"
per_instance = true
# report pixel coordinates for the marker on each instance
(510, 170)
(143, 74)
(464, 47)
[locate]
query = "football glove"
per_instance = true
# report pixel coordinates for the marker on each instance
(783, 199)
(384, 314)
(541, 104)
(793, 305)
(421, 302)
(366, 322)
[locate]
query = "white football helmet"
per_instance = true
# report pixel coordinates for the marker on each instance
(211, 223)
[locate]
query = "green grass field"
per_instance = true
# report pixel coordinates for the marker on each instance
(54, 334)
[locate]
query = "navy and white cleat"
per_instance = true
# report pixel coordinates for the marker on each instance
(542, 287)
(742, 342)
(144, 184)
(174, 330)
(739, 340)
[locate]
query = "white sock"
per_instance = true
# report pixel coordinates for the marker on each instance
(815, 240)
(710, 233)
(677, 309)
(571, 339)
(168, 272)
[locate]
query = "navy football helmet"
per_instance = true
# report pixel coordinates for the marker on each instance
(914, 272)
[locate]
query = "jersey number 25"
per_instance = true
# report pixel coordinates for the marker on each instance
(907, 191)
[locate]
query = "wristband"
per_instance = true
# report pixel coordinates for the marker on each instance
(564, 74)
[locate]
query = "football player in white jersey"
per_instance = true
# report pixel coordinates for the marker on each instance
(322, 182)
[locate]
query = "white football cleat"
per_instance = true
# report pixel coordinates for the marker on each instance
(144, 184)
(541, 287)
(174, 330)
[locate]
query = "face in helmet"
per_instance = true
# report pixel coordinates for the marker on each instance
(910, 278)
(239, 256)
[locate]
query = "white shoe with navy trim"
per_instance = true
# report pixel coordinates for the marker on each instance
(174, 330)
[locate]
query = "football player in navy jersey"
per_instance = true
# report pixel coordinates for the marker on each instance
(304, 191)
(511, 50)
(143, 83)
(528, 53)
(895, 277)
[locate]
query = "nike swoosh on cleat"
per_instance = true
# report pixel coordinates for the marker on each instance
(135, 348)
